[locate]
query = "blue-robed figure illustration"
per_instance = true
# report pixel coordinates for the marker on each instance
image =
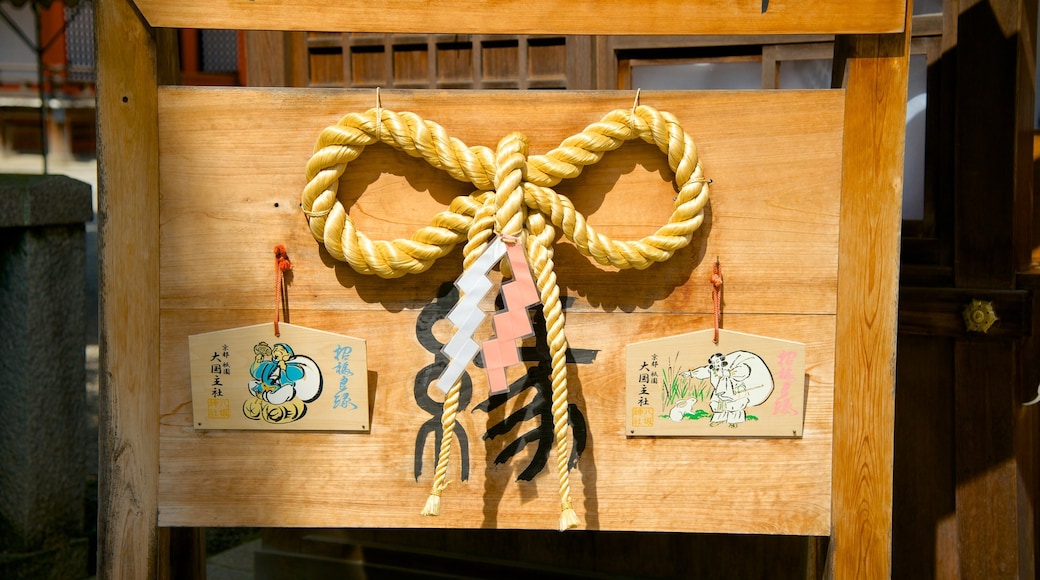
(282, 383)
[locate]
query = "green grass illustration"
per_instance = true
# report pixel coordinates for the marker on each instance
(696, 415)
(701, 413)
(677, 387)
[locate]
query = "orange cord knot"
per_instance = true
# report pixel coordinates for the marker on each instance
(716, 280)
(716, 296)
(281, 259)
(281, 266)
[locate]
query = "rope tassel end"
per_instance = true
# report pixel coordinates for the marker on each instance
(433, 505)
(568, 519)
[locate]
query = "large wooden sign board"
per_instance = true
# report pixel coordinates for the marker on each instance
(139, 478)
(231, 172)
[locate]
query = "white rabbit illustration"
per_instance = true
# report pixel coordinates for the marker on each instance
(681, 408)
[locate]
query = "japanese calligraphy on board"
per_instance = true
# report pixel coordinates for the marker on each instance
(743, 386)
(301, 379)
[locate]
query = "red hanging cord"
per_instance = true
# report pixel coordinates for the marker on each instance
(716, 296)
(281, 266)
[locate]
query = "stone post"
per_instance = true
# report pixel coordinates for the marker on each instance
(42, 375)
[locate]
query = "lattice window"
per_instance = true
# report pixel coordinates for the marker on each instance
(438, 61)
(218, 51)
(79, 42)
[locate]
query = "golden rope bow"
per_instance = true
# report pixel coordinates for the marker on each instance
(513, 197)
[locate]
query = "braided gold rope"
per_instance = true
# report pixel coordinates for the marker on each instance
(340, 144)
(540, 255)
(501, 211)
(440, 477)
(513, 198)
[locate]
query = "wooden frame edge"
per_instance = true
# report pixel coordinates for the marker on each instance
(868, 290)
(128, 179)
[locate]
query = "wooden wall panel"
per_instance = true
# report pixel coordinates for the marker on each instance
(792, 166)
(763, 486)
(231, 172)
(924, 535)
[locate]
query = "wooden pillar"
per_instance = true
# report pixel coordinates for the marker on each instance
(128, 179)
(868, 276)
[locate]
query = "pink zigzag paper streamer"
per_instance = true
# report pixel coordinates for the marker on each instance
(512, 323)
(467, 315)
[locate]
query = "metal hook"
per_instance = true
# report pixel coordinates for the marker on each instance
(379, 116)
(1034, 401)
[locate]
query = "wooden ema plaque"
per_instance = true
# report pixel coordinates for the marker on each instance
(299, 379)
(742, 386)
(232, 166)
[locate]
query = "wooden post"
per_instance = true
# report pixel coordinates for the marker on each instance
(128, 179)
(868, 279)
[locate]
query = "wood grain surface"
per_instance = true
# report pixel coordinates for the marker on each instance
(868, 287)
(536, 17)
(128, 179)
(231, 171)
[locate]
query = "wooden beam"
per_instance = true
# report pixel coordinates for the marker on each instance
(653, 17)
(940, 312)
(868, 279)
(128, 179)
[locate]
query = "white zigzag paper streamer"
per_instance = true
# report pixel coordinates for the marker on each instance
(473, 285)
